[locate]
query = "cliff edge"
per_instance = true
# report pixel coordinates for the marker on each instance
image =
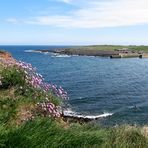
(5, 55)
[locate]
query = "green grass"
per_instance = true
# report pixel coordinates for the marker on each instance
(45, 132)
(139, 48)
(112, 47)
(2, 51)
(101, 47)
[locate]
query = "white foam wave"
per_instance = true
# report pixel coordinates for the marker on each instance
(46, 52)
(74, 114)
(28, 50)
(33, 51)
(61, 56)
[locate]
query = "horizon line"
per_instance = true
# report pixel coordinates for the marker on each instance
(74, 45)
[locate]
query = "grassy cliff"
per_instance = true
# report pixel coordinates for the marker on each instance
(105, 51)
(113, 47)
(31, 117)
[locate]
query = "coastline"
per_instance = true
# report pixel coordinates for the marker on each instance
(67, 116)
(103, 51)
(24, 124)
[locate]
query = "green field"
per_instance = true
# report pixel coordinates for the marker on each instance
(112, 47)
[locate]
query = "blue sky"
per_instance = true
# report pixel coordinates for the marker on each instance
(73, 22)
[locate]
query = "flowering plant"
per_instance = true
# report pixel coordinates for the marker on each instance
(23, 74)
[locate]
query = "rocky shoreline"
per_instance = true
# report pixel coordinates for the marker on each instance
(67, 117)
(121, 53)
(5, 55)
(87, 52)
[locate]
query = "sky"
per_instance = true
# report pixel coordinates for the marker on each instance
(73, 22)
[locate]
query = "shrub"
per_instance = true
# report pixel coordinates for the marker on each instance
(7, 110)
(10, 76)
(31, 84)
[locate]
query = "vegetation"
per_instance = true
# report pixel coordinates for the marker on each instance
(30, 116)
(113, 47)
(2, 51)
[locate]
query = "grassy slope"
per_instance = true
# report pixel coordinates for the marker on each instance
(46, 132)
(41, 131)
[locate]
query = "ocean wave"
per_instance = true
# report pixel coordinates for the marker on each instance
(45, 52)
(54, 55)
(71, 113)
(35, 51)
(28, 51)
(61, 56)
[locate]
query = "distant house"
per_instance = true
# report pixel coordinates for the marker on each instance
(123, 50)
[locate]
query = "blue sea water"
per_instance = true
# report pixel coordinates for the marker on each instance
(95, 85)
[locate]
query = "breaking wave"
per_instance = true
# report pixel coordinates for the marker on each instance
(28, 51)
(56, 55)
(71, 113)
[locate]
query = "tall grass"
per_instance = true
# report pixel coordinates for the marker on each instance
(45, 132)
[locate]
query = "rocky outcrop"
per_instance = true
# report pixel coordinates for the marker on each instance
(87, 52)
(121, 53)
(74, 119)
(5, 55)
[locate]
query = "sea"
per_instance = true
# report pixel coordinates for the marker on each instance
(115, 90)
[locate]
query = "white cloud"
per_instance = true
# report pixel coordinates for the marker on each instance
(12, 20)
(66, 1)
(98, 13)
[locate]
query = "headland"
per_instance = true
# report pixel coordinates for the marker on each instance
(112, 51)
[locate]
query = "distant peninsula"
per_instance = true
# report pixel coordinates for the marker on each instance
(112, 51)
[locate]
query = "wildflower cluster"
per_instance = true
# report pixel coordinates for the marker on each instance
(36, 81)
(58, 91)
(49, 108)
